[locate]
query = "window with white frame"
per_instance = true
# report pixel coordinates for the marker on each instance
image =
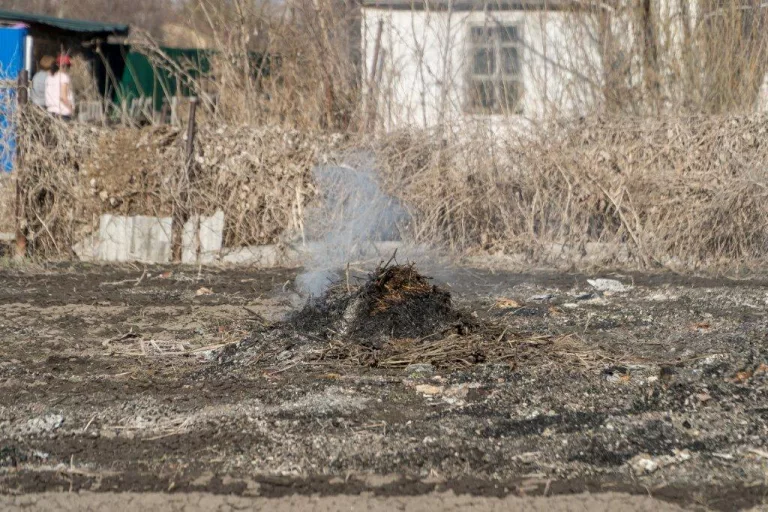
(495, 78)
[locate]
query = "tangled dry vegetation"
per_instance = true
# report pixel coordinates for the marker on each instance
(394, 302)
(681, 193)
(72, 173)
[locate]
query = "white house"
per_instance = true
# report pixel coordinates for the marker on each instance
(451, 62)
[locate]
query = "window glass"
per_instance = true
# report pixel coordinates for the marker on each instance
(484, 61)
(495, 85)
(510, 61)
(482, 95)
(508, 34)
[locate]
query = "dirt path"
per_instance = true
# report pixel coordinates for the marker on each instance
(193, 502)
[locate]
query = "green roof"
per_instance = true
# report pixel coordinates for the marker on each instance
(94, 28)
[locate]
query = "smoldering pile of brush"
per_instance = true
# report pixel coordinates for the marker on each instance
(394, 302)
(395, 318)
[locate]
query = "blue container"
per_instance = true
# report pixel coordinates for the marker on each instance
(11, 64)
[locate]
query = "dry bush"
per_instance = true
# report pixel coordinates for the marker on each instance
(688, 193)
(73, 173)
(260, 177)
(681, 56)
(7, 196)
(684, 193)
(52, 154)
(632, 57)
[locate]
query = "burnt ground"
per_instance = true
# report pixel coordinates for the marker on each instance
(109, 382)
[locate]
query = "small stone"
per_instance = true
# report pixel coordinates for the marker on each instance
(429, 389)
(44, 424)
(643, 464)
(203, 291)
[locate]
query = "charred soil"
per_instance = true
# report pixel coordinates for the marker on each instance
(114, 379)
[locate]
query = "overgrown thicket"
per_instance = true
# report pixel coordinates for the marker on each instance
(682, 56)
(631, 57)
(296, 64)
(678, 192)
(72, 173)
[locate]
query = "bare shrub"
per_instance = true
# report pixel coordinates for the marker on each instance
(684, 193)
(291, 64)
(677, 192)
(72, 173)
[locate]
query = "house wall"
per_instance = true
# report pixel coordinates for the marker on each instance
(424, 66)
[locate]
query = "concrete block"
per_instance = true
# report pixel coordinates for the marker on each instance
(202, 238)
(189, 242)
(151, 239)
(140, 238)
(211, 237)
(258, 255)
(115, 234)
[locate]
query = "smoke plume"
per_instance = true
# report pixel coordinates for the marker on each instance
(352, 215)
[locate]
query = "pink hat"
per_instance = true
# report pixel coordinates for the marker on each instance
(63, 60)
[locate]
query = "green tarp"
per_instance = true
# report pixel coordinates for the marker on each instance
(163, 77)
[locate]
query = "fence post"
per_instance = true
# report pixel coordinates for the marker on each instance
(181, 206)
(191, 128)
(21, 239)
(164, 112)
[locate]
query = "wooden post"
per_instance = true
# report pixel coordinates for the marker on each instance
(21, 239)
(23, 90)
(164, 112)
(191, 128)
(181, 207)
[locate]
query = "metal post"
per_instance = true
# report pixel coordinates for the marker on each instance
(29, 47)
(21, 239)
(181, 207)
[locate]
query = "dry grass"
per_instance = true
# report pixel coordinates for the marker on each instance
(497, 344)
(395, 285)
(685, 193)
(682, 193)
(71, 174)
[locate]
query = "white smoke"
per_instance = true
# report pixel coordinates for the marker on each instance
(352, 215)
